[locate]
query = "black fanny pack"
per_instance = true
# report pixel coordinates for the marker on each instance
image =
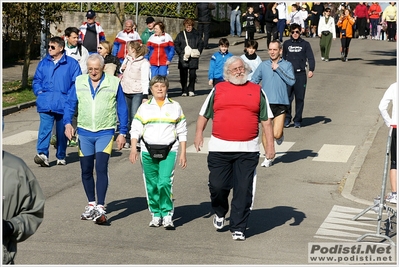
(158, 151)
(325, 32)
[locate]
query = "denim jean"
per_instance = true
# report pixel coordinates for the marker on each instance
(374, 24)
(133, 101)
(235, 22)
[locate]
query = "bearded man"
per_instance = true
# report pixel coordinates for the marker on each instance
(236, 106)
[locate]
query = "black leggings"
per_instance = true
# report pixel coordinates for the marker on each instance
(345, 45)
(393, 149)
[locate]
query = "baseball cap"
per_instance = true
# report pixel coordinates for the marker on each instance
(304, 6)
(90, 14)
(149, 20)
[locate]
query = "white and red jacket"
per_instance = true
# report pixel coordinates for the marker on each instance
(99, 30)
(160, 49)
(122, 38)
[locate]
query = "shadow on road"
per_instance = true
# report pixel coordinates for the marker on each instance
(264, 220)
(123, 208)
(187, 213)
(292, 156)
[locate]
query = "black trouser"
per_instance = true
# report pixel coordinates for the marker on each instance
(203, 30)
(249, 35)
(298, 91)
(391, 30)
(191, 76)
(345, 42)
(271, 33)
(393, 149)
(361, 26)
(232, 170)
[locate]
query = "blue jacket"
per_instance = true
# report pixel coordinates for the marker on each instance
(216, 65)
(274, 82)
(299, 53)
(52, 83)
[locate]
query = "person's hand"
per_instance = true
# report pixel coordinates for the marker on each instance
(274, 65)
(167, 62)
(144, 100)
(120, 141)
(210, 82)
(134, 155)
(8, 228)
(69, 131)
(198, 141)
(183, 160)
(310, 74)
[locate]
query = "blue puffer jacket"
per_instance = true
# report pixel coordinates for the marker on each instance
(52, 82)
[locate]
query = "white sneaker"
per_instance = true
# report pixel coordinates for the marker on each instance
(167, 222)
(88, 214)
(238, 236)
(99, 215)
(42, 160)
(127, 145)
(218, 222)
(61, 162)
(155, 222)
(280, 140)
(191, 94)
(322, 58)
(392, 198)
(267, 163)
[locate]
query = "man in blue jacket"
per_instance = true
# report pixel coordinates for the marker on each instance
(299, 52)
(54, 78)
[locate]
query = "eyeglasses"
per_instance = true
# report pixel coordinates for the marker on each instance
(328, 11)
(295, 32)
(99, 48)
(241, 68)
(51, 46)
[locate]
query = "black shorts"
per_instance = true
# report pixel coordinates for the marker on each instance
(278, 109)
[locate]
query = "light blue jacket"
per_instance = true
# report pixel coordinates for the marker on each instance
(275, 82)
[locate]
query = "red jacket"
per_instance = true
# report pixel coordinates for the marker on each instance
(375, 11)
(361, 11)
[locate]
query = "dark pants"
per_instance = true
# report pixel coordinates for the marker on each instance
(391, 30)
(361, 26)
(191, 76)
(249, 35)
(281, 23)
(298, 91)
(345, 42)
(232, 170)
(393, 149)
(203, 30)
(271, 33)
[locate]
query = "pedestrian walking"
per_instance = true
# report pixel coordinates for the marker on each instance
(215, 72)
(54, 79)
(128, 34)
(160, 124)
(100, 102)
(204, 20)
(233, 155)
(235, 19)
(345, 24)
(327, 33)
(91, 32)
(299, 52)
(146, 34)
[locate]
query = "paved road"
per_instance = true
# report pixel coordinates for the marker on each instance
(298, 200)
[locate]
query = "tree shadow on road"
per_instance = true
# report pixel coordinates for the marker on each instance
(74, 156)
(125, 207)
(263, 220)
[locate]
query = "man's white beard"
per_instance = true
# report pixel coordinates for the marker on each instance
(238, 79)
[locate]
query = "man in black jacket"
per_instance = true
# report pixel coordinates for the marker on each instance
(299, 52)
(204, 20)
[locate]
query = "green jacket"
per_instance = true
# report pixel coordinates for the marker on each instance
(99, 113)
(146, 35)
(23, 203)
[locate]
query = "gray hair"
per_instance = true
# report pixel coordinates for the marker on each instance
(159, 79)
(94, 57)
(231, 60)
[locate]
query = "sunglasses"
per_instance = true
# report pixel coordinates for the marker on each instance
(295, 32)
(51, 46)
(99, 48)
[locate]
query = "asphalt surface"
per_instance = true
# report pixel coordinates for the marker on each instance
(293, 197)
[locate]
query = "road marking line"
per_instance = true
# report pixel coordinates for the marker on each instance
(334, 153)
(20, 138)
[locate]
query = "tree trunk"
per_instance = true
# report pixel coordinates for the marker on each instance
(120, 12)
(25, 69)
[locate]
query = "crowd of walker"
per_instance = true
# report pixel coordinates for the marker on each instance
(88, 87)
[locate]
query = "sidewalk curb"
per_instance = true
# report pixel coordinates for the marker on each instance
(16, 108)
(353, 173)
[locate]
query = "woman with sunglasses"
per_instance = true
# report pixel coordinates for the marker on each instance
(345, 25)
(112, 63)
